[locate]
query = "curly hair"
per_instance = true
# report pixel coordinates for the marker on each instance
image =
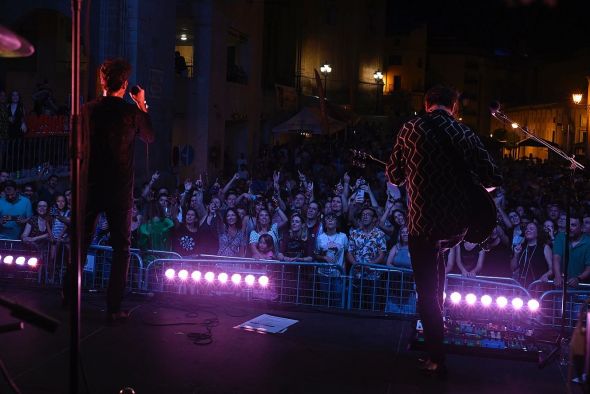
(114, 73)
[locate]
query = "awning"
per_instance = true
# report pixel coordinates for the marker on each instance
(308, 121)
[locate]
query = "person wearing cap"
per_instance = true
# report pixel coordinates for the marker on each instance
(15, 211)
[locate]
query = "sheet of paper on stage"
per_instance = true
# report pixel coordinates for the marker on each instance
(267, 324)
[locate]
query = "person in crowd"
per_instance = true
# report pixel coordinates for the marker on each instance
(15, 211)
(29, 192)
(399, 255)
(48, 192)
(579, 255)
(549, 232)
(532, 259)
(263, 226)
(16, 116)
(561, 223)
(209, 226)
(340, 209)
(61, 219)
(136, 222)
(331, 247)
(367, 242)
(37, 230)
(4, 114)
(296, 244)
(155, 233)
(184, 237)
(586, 223)
(497, 254)
(101, 231)
(232, 241)
(313, 220)
(111, 125)
(469, 258)
(265, 247)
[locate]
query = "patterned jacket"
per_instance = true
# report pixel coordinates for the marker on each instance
(436, 158)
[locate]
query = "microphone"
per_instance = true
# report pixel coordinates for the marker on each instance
(134, 90)
(494, 106)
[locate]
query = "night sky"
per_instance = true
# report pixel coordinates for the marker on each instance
(520, 27)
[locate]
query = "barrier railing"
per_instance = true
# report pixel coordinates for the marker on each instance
(21, 156)
(480, 285)
(380, 288)
(313, 284)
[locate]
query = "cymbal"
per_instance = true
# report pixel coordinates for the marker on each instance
(13, 45)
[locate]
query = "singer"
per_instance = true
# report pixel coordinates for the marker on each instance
(109, 125)
(437, 159)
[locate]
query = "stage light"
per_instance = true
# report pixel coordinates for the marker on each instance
(222, 278)
(533, 305)
(470, 299)
(33, 261)
(8, 259)
(515, 125)
(20, 260)
(486, 300)
(236, 279)
(263, 281)
(183, 274)
(196, 275)
(170, 273)
(210, 277)
(455, 297)
(501, 302)
(250, 280)
(517, 303)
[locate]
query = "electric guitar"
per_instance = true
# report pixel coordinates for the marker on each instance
(483, 208)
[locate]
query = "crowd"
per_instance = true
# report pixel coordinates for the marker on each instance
(304, 203)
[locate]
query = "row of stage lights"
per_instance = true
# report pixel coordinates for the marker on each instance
(222, 277)
(501, 301)
(20, 260)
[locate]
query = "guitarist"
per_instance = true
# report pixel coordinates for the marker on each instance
(438, 160)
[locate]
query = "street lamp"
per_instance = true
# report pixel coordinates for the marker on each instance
(577, 99)
(378, 76)
(325, 70)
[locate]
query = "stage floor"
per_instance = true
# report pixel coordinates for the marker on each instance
(325, 352)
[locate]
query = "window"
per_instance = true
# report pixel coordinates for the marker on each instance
(395, 60)
(397, 82)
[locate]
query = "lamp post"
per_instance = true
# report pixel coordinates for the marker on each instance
(378, 76)
(577, 98)
(325, 70)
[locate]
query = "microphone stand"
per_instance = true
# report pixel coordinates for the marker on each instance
(573, 166)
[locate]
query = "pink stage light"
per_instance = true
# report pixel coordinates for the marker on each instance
(236, 279)
(533, 305)
(501, 302)
(222, 278)
(250, 280)
(33, 261)
(486, 300)
(455, 297)
(20, 260)
(170, 273)
(263, 281)
(471, 299)
(210, 277)
(517, 303)
(8, 259)
(183, 274)
(196, 275)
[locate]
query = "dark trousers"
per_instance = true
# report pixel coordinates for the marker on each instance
(429, 275)
(117, 208)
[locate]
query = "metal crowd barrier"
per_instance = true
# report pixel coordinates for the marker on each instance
(381, 288)
(312, 284)
(21, 156)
